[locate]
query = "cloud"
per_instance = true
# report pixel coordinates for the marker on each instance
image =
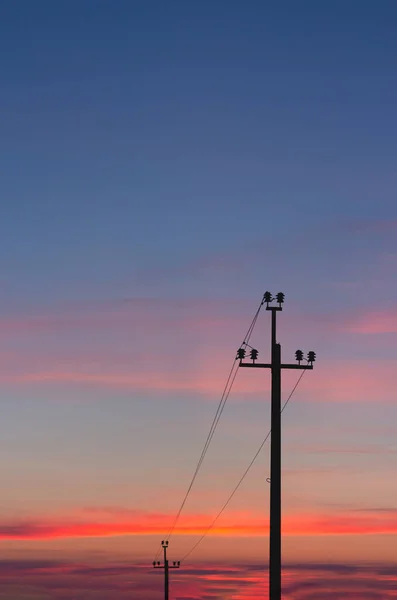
(124, 522)
(336, 381)
(370, 449)
(181, 347)
(377, 509)
(367, 582)
(143, 314)
(352, 381)
(60, 579)
(373, 322)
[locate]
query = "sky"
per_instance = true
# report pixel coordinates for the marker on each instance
(163, 164)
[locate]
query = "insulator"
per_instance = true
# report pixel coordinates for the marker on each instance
(254, 354)
(267, 297)
(240, 354)
(311, 356)
(174, 563)
(154, 563)
(158, 563)
(280, 297)
(299, 355)
(179, 562)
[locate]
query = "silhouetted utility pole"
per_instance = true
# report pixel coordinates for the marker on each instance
(166, 566)
(275, 447)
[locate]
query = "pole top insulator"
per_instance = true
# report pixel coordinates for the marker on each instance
(311, 357)
(267, 297)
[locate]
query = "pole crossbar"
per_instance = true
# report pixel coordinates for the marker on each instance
(269, 366)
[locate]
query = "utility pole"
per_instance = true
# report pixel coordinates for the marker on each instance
(276, 367)
(166, 566)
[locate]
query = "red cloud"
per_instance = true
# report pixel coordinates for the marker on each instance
(238, 524)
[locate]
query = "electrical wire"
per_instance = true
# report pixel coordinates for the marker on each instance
(242, 477)
(225, 395)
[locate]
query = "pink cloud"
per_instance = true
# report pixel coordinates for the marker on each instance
(186, 348)
(373, 322)
(342, 381)
(353, 381)
(146, 314)
(155, 381)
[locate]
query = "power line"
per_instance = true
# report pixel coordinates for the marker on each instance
(225, 395)
(227, 390)
(242, 477)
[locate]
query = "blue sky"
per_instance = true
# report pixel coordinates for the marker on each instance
(139, 135)
(162, 165)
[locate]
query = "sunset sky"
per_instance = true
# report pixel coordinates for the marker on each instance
(163, 164)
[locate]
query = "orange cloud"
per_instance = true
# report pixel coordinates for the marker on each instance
(238, 524)
(349, 524)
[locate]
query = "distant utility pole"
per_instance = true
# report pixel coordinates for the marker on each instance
(275, 447)
(166, 567)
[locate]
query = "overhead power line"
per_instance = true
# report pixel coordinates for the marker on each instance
(241, 478)
(225, 395)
